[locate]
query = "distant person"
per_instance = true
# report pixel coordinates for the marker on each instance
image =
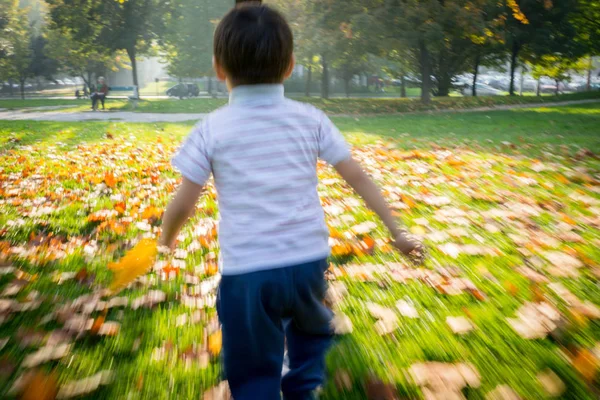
(99, 94)
(262, 150)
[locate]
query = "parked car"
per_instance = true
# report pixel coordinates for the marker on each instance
(193, 90)
(482, 90)
(182, 90)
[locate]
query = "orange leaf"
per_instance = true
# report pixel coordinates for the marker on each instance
(40, 387)
(135, 263)
(97, 324)
(408, 201)
(120, 207)
(568, 219)
(512, 289)
(109, 180)
(151, 212)
(215, 342)
(562, 179)
(211, 268)
(586, 364)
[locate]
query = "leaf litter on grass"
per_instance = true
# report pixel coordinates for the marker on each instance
(506, 307)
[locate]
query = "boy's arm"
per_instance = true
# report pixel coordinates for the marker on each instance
(179, 210)
(351, 172)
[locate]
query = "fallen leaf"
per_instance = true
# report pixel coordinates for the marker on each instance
(587, 364)
(459, 325)
(378, 390)
(215, 342)
(135, 263)
(551, 383)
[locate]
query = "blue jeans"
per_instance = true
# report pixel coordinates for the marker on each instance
(259, 312)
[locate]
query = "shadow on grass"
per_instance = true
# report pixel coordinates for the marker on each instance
(574, 125)
(531, 129)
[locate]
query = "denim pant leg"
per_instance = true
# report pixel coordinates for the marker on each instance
(308, 333)
(250, 308)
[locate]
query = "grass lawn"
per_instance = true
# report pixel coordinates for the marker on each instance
(343, 106)
(73, 196)
(15, 104)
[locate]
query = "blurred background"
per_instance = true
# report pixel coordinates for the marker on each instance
(352, 48)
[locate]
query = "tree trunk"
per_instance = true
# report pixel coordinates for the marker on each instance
(10, 87)
(131, 54)
(324, 78)
(308, 81)
(444, 84)
(402, 85)
(513, 66)
(521, 82)
(89, 81)
(209, 89)
(425, 73)
(22, 82)
(588, 85)
(539, 89)
(475, 73)
(556, 90)
(347, 87)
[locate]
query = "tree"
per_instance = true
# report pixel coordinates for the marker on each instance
(558, 69)
(42, 64)
(80, 58)
(134, 26)
(535, 29)
(16, 62)
(313, 42)
(586, 18)
(188, 39)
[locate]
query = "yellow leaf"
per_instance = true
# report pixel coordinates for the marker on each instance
(215, 342)
(135, 263)
(418, 230)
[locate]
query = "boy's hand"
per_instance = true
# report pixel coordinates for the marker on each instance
(410, 247)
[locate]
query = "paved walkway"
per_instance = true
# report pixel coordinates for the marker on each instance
(45, 114)
(66, 116)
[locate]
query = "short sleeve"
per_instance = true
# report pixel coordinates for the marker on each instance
(332, 145)
(193, 157)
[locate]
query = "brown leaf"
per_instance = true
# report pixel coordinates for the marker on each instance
(40, 386)
(378, 390)
(98, 322)
(7, 367)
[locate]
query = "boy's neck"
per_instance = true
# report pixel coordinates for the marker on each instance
(257, 94)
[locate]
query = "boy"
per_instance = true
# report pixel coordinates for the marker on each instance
(262, 151)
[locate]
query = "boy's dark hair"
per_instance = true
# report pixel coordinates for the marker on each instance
(254, 44)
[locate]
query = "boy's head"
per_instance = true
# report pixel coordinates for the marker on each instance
(253, 44)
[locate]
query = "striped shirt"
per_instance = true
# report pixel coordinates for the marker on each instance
(262, 150)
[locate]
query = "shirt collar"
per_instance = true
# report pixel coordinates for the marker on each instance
(256, 94)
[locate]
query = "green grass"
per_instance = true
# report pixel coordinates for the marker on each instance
(353, 106)
(348, 106)
(41, 157)
(14, 104)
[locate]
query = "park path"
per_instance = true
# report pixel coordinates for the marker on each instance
(45, 114)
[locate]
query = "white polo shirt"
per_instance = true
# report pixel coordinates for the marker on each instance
(262, 150)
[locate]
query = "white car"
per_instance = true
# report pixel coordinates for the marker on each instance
(482, 90)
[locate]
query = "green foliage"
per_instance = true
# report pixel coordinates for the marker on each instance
(16, 45)
(558, 68)
(528, 31)
(111, 25)
(188, 40)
